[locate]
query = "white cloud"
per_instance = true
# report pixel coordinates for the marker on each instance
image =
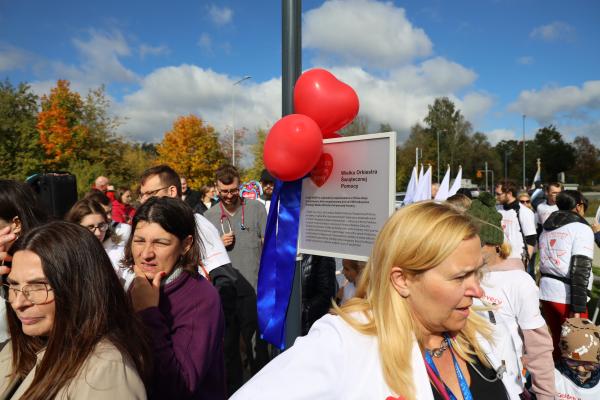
(400, 99)
(364, 32)
(99, 60)
(525, 60)
(220, 15)
(475, 105)
(556, 30)
(12, 58)
(551, 103)
(170, 92)
(153, 50)
(205, 42)
(497, 135)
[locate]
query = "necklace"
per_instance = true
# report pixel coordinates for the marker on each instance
(438, 351)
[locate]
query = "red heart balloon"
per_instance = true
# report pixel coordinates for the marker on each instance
(292, 147)
(322, 170)
(329, 101)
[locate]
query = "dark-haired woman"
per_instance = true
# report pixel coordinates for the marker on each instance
(181, 309)
(73, 332)
(20, 211)
(91, 215)
(566, 253)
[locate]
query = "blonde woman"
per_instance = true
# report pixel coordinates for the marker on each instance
(409, 333)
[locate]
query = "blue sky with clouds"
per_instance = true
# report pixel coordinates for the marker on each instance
(496, 59)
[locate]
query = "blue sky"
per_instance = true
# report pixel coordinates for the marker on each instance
(495, 59)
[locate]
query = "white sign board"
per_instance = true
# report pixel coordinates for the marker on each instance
(349, 196)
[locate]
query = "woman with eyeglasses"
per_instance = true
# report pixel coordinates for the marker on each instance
(180, 309)
(92, 216)
(73, 332)
(20, 211)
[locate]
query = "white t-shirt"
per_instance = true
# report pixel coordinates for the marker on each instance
(512, 231)
(543, 212)
(4, 333)
(513, 295)
(123, 231)
(215, 254)
(334, 361)
(115, 252)
(556, 249)
(567, 390)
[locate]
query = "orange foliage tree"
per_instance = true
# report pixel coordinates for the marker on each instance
(192, 148)
(59, 125)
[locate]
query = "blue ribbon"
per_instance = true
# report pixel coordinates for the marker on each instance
(462, 382)
(278, 261)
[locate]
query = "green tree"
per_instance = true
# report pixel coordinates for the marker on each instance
(586, 170)
(556, 154)
(20, 151)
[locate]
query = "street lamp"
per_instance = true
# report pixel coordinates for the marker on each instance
(524, 116)
(233, 117)
(438, 155)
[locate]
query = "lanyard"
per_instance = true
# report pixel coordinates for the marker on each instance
(435, 375)
(225, 217)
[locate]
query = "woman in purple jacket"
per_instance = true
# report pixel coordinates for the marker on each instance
(180, 309)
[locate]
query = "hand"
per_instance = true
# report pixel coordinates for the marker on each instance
(228, 239)
(144, 293)
(6, 237)
(595, 226)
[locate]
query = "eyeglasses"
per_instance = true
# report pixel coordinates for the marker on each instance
(525, 201)
(151, 193)
(36, 293)
(573, 364)
(228, 191)
(103, 227)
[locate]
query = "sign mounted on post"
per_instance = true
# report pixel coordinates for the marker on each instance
(348, 196)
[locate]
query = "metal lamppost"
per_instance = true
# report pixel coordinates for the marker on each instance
(233, 117)
(438, 156)
(505, 165)
(524, 116)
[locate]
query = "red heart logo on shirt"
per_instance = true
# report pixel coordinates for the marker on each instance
(552, 242)
(322, 170)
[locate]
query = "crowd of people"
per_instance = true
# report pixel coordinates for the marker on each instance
(155, 297)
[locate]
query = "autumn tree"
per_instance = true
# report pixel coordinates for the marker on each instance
(20, 151)
(192, 149)
(60, 125)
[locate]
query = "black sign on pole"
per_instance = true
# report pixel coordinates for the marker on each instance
(291, 68)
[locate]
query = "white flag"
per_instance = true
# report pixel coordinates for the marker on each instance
(536, 178)
(424, 187)
(457, 183)
(444, 189)
(411, 188)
